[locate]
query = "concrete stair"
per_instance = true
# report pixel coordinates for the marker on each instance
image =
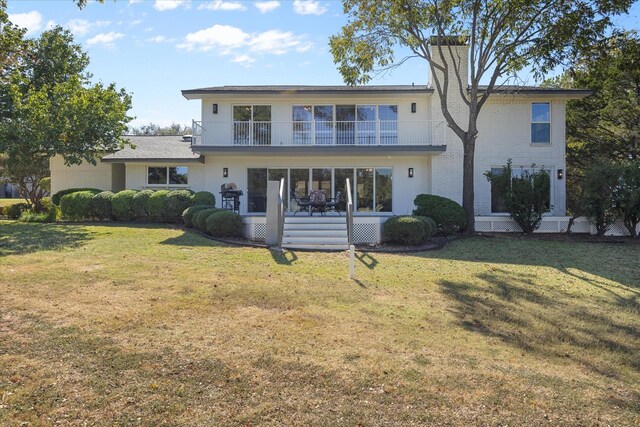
(323, 233)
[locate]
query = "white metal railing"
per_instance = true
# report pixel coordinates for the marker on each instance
(349, 212)
(318, 133)
(281, 193)
(196, 132)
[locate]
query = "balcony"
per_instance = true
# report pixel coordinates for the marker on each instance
(318, 136)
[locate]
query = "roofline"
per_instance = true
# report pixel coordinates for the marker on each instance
(307, 90)
(154, 159)
(350, 150)
(578, 93)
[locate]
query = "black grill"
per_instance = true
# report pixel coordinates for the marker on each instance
(230, 197)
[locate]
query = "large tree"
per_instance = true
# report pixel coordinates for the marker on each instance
(606, 125)
(49, 107)
(503, 37)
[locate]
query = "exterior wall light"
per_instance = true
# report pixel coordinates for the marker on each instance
(413, 107)
(215, 108)
(560, 173)
(410, 172)
(225, 172)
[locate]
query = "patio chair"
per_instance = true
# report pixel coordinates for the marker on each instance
(318, 202)
(302, 203)
(332, 204)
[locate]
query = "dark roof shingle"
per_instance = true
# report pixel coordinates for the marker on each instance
(154, 148)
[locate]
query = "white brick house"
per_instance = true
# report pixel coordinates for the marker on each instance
(391, 141)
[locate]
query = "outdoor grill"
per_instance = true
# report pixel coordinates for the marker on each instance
(230, 197)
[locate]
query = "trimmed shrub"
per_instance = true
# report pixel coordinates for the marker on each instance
(408, 230)
(51, 215)
(45, 184)
(203, 198)
(101, 205)
(447, 214)
(15, 210)
(189, 213)
(200, 218)
(140, 203)
(430, 226)
(55, 199)
(224, 224)
(177, 202)
(77, 206)
(157, 206)
(121, 205)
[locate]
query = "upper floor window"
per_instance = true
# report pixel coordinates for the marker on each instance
(167, 175)
(252, 124)
(345, 124)
(540, 123)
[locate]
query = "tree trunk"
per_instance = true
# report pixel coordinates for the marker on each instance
(467, 182)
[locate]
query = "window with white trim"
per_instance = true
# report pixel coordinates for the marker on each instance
(498, 205)
(540, 123)
(167, 175)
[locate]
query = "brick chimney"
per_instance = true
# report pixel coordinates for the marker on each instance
(455, 52)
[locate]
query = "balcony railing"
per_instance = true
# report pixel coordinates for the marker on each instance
(317, 133)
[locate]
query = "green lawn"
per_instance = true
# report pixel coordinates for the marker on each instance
(146, 325)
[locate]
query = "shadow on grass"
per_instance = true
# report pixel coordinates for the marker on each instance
(21, 238)
(618, 263)
(548, 321)
(283, 257)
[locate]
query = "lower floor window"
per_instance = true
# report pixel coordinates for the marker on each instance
(372, 187)
(167, 175)
(498, 204)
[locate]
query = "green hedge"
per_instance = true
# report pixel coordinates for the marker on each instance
(448, 215)
(121, 205)
(203, 198)
(140, 204)
(407, 230)
(14, 210)
(157, 205)
(101, 205)
(224, 224)
(50, 215)
(200, 218)
(430, 226)
(177, 202)
(77, 206)
(58, 196)
(189, 213)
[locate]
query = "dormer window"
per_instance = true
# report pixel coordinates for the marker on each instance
(540, 123)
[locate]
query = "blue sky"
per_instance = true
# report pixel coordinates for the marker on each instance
(155, 48)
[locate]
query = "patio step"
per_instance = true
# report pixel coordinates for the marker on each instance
(324, 233)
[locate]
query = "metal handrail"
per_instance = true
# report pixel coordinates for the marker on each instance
(281, 192)
(349, 213)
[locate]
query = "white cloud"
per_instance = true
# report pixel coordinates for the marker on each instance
(105, 39)
(308, 7)
(243, 59)
(50, 24)
(136, 22)
(222, 5)
(277, 42)
(135, 1)
(267, 6)
(228, 40)
(79, 27)
(222, 37)
(163, 5)
(160, 39)
(32, 21)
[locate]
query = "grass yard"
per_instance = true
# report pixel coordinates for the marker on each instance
(146, 325)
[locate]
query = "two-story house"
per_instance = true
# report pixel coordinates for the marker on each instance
(391, 142)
